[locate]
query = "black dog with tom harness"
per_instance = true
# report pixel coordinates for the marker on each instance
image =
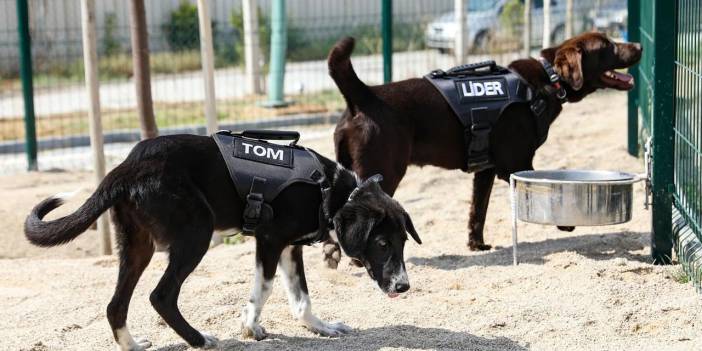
(260, 170)
(479, 92)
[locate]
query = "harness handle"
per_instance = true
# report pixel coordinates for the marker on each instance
(272, 135)
(473, 67)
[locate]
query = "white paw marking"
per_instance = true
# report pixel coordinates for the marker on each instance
(332, 330)
(125, 342)
(253, 331)
(210, 341)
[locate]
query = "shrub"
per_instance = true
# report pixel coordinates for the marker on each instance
(512, 17)
(182, 31)
(110, 43)
(237, 41)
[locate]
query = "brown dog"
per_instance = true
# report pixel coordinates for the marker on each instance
(388, 127)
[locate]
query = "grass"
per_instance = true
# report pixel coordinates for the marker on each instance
(172, 115)
(679, 275)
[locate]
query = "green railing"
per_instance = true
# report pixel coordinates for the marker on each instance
(687, 197)
(669, 105)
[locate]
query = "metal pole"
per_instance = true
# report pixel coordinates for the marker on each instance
(207, 54)
(665, 39)
(251, 46)
(25, 50)
(547, 25)
(279, 43)
(633, 35)
(513, 203)
(142, 72)
(459, 49)
(92, 87)
(569, 19)
(526, 39)
(386, 27)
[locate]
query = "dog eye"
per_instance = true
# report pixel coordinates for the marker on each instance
(382, 243)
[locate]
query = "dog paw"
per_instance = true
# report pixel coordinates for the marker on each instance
(332, 330)
(332, 255)
(476, 246)
(564, 228)
(140, 344)
(210, 341)
(255, 332)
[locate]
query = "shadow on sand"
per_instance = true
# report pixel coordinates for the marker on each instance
(593, 246)
(372, 339)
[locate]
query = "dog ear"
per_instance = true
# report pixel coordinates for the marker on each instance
(353, 231)
(568, 64)
(409, 226)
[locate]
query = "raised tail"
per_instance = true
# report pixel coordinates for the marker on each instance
(353, 89)
(65, 229)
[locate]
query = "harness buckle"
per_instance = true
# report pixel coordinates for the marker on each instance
(252, 212)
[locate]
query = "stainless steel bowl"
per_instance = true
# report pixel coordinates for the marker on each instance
(574, 197)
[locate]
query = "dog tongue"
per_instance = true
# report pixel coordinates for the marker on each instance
(623, 76)
(393, 295)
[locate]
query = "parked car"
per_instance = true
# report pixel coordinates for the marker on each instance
(611, 17)
(483, 21)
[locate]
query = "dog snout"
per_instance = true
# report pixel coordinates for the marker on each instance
(401, 287)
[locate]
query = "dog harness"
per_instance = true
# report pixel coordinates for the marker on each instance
(478, 93)
(260, 170)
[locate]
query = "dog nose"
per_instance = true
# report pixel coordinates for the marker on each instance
(401, 287)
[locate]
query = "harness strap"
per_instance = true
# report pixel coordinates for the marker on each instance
(554, 78)
(254, 205)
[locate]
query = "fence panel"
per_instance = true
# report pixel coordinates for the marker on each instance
(687, 197)
(670, 110)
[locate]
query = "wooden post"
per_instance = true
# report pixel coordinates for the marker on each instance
(90, 61)
(459, 49)
(547, 24)
(569, 19)
(252, 54)
(207, 54)
(142, 72)
(526, 39)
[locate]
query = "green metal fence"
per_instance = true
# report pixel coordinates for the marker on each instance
(669, 101)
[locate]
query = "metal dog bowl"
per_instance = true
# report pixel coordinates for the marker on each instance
(571, 198)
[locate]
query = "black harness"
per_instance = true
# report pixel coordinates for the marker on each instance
(260, 170)
(478, 93)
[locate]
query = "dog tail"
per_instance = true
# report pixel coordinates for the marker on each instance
(353, 89)
(64, 229)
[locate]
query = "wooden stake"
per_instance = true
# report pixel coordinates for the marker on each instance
(142, 72)
(207, 53)
(92, 86)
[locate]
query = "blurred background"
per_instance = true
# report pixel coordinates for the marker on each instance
(423, 39)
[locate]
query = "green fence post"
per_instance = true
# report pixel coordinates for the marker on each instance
(633, 35)
(279, 43)
(665, 39)
(25, 50)
(386, 24)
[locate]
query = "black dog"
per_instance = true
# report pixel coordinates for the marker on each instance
(386, 128)
(175, 190)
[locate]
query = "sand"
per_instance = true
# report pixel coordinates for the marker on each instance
(592, 289)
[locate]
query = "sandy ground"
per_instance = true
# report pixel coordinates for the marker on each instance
(592, 289)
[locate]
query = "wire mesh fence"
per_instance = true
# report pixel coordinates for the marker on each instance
(423, 37)
(687, 198)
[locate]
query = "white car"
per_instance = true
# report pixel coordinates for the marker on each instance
(483, 21)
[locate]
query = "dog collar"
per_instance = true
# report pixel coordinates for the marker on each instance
(554, 78)
(375, 178)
